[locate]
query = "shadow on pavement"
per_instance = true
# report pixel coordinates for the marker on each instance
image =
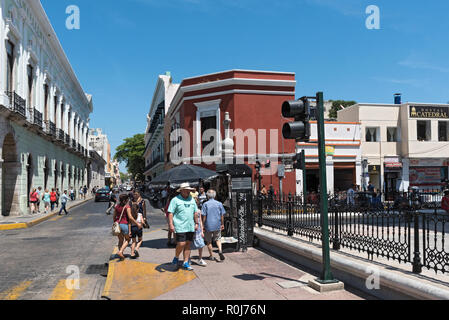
(249, 277)
(167, 267)
(155, 244)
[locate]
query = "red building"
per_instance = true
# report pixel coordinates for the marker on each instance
(253, 100)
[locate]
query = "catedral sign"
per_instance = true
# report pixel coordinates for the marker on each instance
(429, 112)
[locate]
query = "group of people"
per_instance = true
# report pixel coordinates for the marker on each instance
(131, 213)
(52, 199)
(195, 220)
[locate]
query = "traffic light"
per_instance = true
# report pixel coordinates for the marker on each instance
(299, 161)
(300, 111)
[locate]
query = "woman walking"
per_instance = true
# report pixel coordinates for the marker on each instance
(136, 220)
(47, 199)
(53, 199)
(33, 201)
(121, 215)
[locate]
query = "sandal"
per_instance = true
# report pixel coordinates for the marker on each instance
(121, 256)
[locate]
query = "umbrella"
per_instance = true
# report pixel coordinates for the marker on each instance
(184, 173)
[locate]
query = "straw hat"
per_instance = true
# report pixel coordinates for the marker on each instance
(185, 186)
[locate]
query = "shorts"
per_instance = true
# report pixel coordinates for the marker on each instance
(136, 232)
(212, 236)
(186, 236)
(47, 204)
(125, 229)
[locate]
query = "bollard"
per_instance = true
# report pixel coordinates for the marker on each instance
(290, 209)
(417, 266)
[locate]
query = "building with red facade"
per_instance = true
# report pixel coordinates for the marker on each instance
(253, 100)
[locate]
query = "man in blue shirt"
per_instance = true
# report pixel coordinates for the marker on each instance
(213, 221)
(182, 214)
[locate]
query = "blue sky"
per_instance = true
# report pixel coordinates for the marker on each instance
(123, 45)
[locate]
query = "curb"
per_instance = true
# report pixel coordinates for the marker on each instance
(352, 270)
(26, 225)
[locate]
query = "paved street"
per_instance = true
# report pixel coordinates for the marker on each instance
(35, 260)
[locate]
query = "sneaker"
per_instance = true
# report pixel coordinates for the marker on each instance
(222, 257)
(202, 263)
(186, 266)
(175, 261)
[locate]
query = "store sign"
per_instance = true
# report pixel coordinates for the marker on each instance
(425, 176)
(429, 112)
(330, 151)
(374, 169)
(429, 162)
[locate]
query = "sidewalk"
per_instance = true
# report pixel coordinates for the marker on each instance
(28, 221)
(253, 275)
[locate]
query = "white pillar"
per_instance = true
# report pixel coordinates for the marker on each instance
(405, 174)
(358, 174)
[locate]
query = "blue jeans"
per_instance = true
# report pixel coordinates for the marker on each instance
(63, 208)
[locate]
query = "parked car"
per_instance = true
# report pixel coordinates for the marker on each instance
(102, 195)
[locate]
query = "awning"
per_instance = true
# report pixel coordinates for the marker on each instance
(393, 165)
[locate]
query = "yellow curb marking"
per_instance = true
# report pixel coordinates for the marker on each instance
(56, 218)
(133, 280)
(61, 292)
(15, 292)
(13, 226)
(70, 219)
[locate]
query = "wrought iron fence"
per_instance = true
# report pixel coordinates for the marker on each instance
(60, 135)
(395, 230)
(37, 118)
(17, 104)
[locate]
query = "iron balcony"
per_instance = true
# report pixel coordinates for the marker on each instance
(17, 104)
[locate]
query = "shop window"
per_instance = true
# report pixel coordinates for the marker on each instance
(372, 134)
(424, 131)
(392, 135)
(442, 131)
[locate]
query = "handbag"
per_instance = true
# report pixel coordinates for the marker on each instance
(116, 226)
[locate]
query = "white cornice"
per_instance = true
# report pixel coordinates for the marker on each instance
(241, 70)
(240, 81)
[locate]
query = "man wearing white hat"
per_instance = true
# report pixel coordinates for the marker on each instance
(183, 213)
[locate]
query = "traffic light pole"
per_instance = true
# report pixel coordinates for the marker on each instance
(326, 276)
(304, 182)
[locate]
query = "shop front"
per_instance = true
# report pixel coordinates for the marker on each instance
(428, 174)
(392, 177)
(374, 176)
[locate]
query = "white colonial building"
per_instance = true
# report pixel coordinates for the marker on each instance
(44, 112)
(154, 133)
(403, 144)
(343, 161)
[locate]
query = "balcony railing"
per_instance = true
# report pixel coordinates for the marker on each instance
(37, 118)
(74, 144)
(78, 148)
(60, 135)
(51, 128)
(67, 139)
(17, 104)
(156, 161)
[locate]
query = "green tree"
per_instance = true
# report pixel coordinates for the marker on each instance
(338, 105)
(131, 152)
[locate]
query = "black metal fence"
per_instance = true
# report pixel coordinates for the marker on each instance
(402, 230)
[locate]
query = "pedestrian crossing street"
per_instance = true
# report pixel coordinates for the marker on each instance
(65, 289)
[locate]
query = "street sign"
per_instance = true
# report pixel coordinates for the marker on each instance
(281, 171)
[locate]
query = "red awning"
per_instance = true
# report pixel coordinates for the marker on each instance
(393, 165)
